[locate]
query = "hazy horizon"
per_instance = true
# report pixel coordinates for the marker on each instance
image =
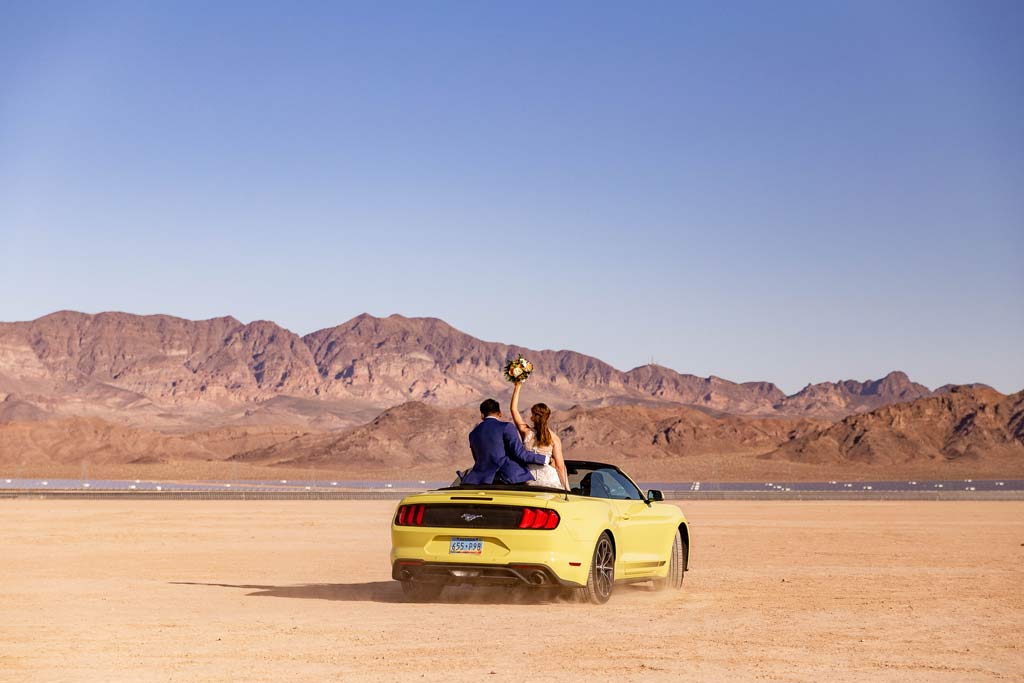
(799, 193)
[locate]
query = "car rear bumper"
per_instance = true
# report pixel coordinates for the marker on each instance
(556, 551)
(532, 575)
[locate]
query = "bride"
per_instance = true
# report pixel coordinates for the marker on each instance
(539, 439)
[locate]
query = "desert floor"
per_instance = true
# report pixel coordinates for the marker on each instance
(297, 590)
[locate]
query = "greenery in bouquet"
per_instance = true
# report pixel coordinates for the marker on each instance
(518, 370)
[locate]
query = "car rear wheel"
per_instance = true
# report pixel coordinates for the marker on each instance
(421, 592)
(601, 578)
(676, 566)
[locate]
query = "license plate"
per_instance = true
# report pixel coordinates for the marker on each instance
(465, 546)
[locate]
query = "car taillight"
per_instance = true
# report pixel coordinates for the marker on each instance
(410, 515)
(538, 518)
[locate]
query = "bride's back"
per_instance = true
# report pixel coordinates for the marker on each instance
(530, 441)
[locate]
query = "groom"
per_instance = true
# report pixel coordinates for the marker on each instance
(498, 453)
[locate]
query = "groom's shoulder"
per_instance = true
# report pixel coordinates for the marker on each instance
(492, 423)
(484, 425)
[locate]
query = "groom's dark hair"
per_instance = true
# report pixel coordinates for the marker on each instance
(489, 407)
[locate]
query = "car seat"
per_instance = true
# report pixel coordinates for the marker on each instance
(598, 487)
(594, 486)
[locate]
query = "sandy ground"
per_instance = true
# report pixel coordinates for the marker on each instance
(297, 591)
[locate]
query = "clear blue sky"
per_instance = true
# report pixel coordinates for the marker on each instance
(793, 192)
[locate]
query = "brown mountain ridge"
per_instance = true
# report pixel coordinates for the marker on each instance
(396, 393)
(160, 370)
(964, 423)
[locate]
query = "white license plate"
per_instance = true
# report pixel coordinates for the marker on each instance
(465, 546)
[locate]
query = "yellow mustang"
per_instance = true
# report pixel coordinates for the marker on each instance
(602, 532)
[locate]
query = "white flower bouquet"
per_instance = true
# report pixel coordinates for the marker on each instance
(518, 370)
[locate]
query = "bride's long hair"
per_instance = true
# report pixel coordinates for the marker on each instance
(540, 414)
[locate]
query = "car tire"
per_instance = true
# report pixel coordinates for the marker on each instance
(676, 565)
(601, 577)
(415, 591)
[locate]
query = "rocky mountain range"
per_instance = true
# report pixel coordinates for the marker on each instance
(158, 367)
(122, 388)
(961, 423)
(835, 400)
(416, 433)
(966, 424)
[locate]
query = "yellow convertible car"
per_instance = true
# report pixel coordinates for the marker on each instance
(602, 532)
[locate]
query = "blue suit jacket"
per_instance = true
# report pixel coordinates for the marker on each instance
(499, 455)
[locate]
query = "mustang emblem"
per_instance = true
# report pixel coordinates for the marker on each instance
(469, 517)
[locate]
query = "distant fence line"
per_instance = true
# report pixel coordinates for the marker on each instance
(397, 495)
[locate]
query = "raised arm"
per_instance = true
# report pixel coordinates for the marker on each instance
(517, 451)
(514, 409)
(558, 461)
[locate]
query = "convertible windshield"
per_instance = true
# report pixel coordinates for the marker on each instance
(601, 481)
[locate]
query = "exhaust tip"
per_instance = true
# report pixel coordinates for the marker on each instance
(537, 578)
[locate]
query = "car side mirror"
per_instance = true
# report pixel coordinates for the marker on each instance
(655, 496)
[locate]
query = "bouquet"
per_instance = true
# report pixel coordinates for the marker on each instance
(518, 370)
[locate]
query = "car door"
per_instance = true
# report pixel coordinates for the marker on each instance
(641, 528)
(645, 530)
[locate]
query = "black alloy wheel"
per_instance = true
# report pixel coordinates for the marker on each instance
(676, 565)
(601, 578)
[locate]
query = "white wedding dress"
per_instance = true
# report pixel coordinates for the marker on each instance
(543, 475)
